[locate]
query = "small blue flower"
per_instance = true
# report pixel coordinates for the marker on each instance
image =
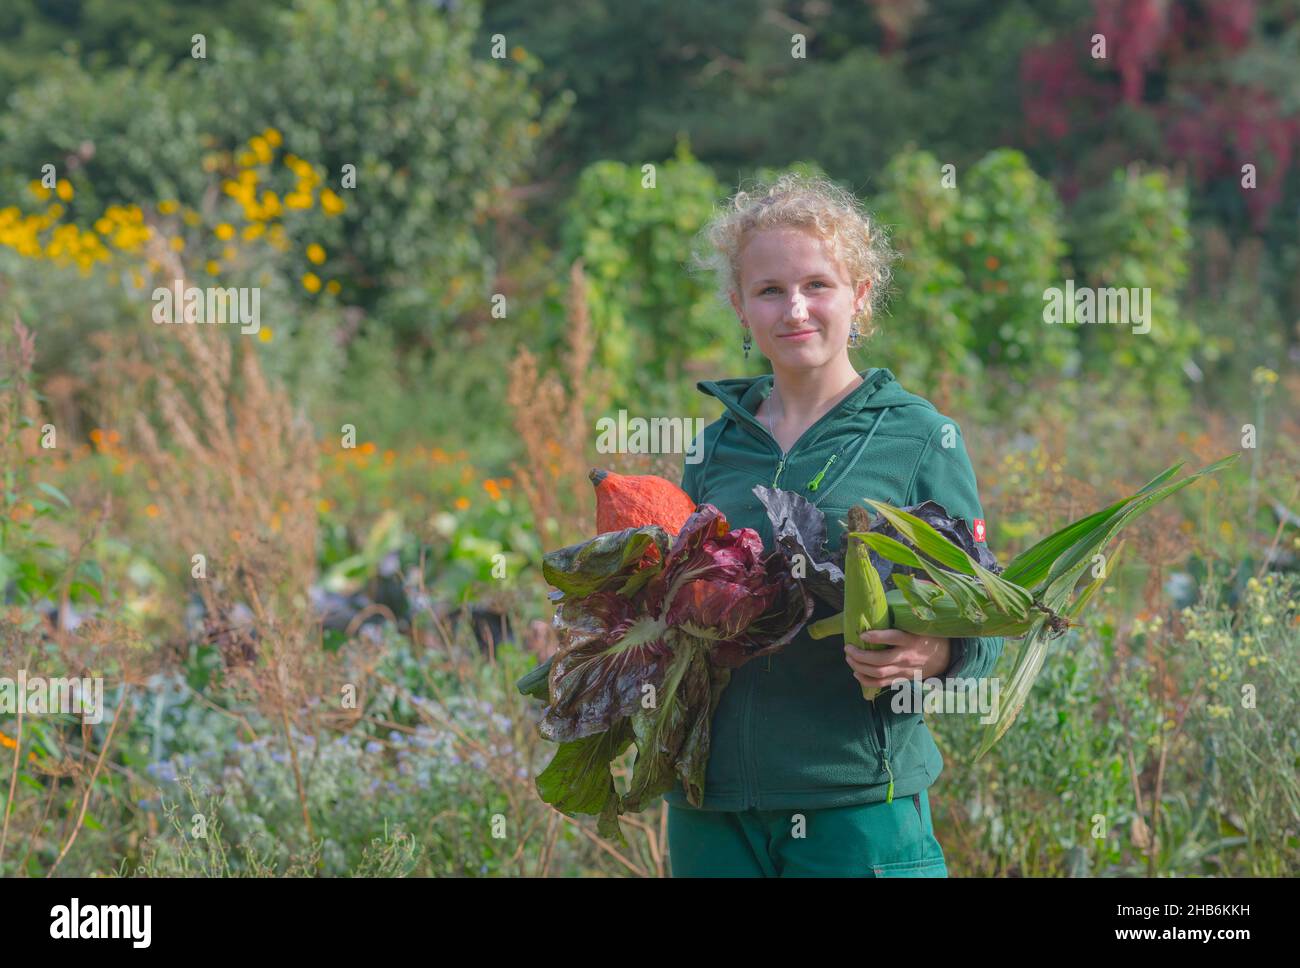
(374, 746)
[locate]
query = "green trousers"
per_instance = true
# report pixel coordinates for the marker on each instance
(871, 840)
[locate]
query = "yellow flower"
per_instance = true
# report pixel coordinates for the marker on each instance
(265, 334)
(64, 189)
(272, 137)
(167, 207)
(191, 217)
(39, 190)
(246, 159)
(315, 253)
(311, 282)
(177, 244)
(270, 204)
(323, 506)
(253, 232)
(330, 203)
(225, 231)
(332, 287)
(297, 200)
(212, 267)
(261, 148)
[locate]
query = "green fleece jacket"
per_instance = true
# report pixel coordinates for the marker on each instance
(792, 730)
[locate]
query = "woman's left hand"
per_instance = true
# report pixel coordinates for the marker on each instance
(907, 654)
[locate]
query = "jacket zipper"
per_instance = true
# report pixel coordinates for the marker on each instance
(782, 457)
(745, 784)
(883, 732)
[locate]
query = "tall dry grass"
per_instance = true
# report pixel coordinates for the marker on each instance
(550, 420)
(236, 474)
(41, 642)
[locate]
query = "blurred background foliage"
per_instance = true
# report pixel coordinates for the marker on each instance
(529, 181)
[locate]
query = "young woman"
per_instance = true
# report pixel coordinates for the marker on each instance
(805, 777)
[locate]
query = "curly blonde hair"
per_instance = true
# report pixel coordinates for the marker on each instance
(810, 202)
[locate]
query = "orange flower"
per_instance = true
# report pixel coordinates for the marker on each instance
(367, 448)
(152, 510)
(8, 743)
(494, 492)
(462, 503)
(991, 262)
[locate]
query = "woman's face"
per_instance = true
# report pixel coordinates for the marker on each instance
(790, 284)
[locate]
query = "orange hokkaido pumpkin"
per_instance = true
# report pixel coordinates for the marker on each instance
(637, 500)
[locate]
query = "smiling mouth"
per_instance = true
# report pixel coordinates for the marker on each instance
(806, 332)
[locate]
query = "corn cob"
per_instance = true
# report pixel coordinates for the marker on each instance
(947, 621)
(865, 607)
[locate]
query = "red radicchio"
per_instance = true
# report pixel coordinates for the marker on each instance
(649, 633)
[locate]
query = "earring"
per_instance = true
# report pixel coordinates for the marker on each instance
(855, 334)
(746, 342)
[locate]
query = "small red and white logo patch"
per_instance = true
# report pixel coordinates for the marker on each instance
(979, 529)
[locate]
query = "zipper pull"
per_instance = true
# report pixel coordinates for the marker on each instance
(816, 482)
(779, 467)
(889, 793)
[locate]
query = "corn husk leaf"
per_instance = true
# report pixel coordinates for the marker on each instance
(918, 595)
(925, 538)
